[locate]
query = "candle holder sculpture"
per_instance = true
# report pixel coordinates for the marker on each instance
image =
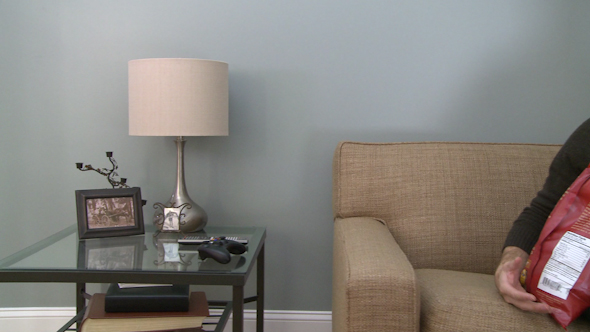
(111, 174)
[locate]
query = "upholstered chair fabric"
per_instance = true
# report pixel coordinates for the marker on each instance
(419, 230)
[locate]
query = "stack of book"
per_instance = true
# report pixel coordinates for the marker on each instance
(145, 309)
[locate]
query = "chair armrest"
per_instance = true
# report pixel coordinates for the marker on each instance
(374, 285)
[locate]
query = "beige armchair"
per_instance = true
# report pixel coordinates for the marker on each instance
(418, 233)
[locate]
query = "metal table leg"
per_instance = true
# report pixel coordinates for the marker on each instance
(238, 309)
(260, 291)
(80, 299)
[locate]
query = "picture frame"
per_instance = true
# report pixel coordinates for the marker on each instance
(109, 212)
(117, 253)
(171, 217)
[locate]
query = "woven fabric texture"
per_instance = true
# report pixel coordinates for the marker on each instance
(371, 273)
(470, 300)
(418, 233)
(448, 205)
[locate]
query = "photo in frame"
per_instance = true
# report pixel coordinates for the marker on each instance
(171, 219)
(109, 212)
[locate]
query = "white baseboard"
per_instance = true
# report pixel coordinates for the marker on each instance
(51, 319)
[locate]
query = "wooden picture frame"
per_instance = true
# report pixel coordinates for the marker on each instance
(109, 212)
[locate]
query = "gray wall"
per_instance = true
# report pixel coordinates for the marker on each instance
(303, 75)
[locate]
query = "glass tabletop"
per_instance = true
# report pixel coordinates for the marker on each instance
(149, 252)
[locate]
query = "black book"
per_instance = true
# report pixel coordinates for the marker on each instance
(147, 299)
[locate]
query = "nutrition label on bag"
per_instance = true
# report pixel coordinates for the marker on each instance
(567, 262)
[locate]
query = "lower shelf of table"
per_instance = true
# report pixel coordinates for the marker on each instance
(213, 323)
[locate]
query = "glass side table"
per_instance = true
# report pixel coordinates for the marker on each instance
(150, 258)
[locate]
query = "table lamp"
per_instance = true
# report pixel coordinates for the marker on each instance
(179, 97)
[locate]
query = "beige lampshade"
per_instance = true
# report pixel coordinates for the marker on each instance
(178, 97)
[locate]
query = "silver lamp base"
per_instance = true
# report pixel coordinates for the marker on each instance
(194, 218)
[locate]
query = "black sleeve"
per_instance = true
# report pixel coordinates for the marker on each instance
(569, 162)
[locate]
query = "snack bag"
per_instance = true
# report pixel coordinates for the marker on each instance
(557, 272)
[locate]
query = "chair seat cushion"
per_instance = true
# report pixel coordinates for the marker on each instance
(462, 301)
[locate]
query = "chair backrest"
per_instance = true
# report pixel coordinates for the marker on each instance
(449, 205)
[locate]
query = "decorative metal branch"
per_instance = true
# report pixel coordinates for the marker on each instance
(111, 174)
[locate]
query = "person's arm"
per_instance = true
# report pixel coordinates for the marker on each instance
(567, 165)
(569, 162)
(508, 283)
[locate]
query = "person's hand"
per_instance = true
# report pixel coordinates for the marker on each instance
(507, 281)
